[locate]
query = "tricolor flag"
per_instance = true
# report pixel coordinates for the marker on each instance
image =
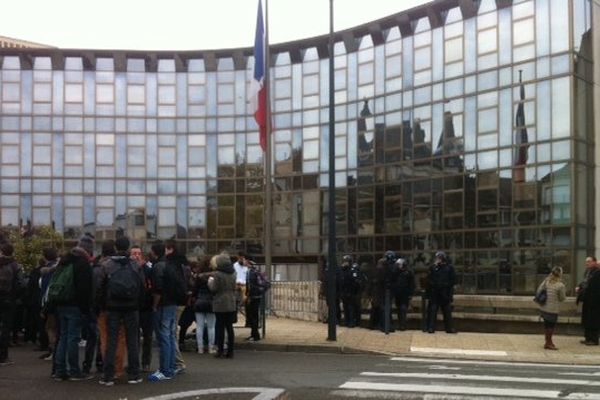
(521, 139)
(258, 87)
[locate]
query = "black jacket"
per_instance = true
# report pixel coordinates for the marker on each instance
(110, 267)
(82, 279)
(590, 313)
(18, 280)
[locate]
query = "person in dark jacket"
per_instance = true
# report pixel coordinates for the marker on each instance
(381, 292)
(256, 286)
(403, 289)
(146, 325)
(222, 285)
(122, 284)
(71, 312)
(11, 283)
(350, 288)
(590, 313)
(168, 294)
(33, 304)
(440, 286)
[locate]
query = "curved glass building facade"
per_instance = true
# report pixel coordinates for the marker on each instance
(466, 126)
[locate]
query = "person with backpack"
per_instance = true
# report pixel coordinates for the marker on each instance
(70, 289)
(11, 283)
(257, 287)
(122, 284)
(169, 292)
(205, 317)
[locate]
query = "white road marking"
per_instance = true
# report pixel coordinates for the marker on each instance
(512, 364)
(465, 352)
(482, 378)
(263, 393)
(468, 390)
(444, 367)
(580, 373)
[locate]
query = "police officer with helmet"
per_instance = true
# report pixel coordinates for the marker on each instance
(351, 287)
(440, 287)
(403, 289)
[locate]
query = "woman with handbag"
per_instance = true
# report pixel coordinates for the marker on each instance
(205, 318)
(555, 293)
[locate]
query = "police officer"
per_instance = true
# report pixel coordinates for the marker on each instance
(381, 303)
(403, 289)
(351, 287)
(440, 285)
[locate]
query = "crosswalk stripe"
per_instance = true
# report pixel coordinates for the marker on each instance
(482, 378)
(477, 362)
(465, 352)
(467, 390)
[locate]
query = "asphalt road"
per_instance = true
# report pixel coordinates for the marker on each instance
(309, 376)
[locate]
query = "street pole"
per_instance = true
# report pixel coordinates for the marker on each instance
(331, 263)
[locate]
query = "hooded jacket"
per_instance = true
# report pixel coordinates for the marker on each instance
(222, 284)
(82, 279)
(15, 272)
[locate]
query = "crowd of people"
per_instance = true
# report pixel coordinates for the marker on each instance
(117, 303)
(122, 300)
(392, 285)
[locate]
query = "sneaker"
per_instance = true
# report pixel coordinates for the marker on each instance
(106, 382)
(179, 370)
(81, 377)
(212, 350)
(49, 357)
(82, 343)
(60, 378)
(135, 380)
(158, 376)
(6, 363)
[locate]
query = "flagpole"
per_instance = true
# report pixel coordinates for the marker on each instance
(268, 153)
(331, 263)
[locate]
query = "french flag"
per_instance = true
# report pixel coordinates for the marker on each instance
(258, 90)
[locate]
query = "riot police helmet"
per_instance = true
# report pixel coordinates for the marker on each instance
(401, 263)
(441, 255)
(390, 256)
(347, 259)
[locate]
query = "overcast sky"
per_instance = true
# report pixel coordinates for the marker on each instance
(180, 24)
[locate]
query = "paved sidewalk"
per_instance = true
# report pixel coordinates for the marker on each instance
(292, 335)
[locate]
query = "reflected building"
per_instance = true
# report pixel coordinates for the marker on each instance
(466, 126)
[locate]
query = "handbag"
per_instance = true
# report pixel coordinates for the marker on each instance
(542, 296)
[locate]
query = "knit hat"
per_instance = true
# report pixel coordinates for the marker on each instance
(87, 243)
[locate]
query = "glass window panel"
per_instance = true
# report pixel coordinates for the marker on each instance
(454, 49)
(136, 94)
(561, 115)
(73, 92)
(487, 41)
(523, 31)
(423, 58)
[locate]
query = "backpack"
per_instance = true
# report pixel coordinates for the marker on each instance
(123, 285)
(7, 278)
(177, 284)
(62, 287)
(263, 282)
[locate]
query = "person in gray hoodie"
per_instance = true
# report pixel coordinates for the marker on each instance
(222, 284)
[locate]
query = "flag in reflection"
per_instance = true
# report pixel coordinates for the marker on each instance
(521, 139)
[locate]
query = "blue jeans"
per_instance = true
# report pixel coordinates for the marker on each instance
(70, 322)
(165, 325)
